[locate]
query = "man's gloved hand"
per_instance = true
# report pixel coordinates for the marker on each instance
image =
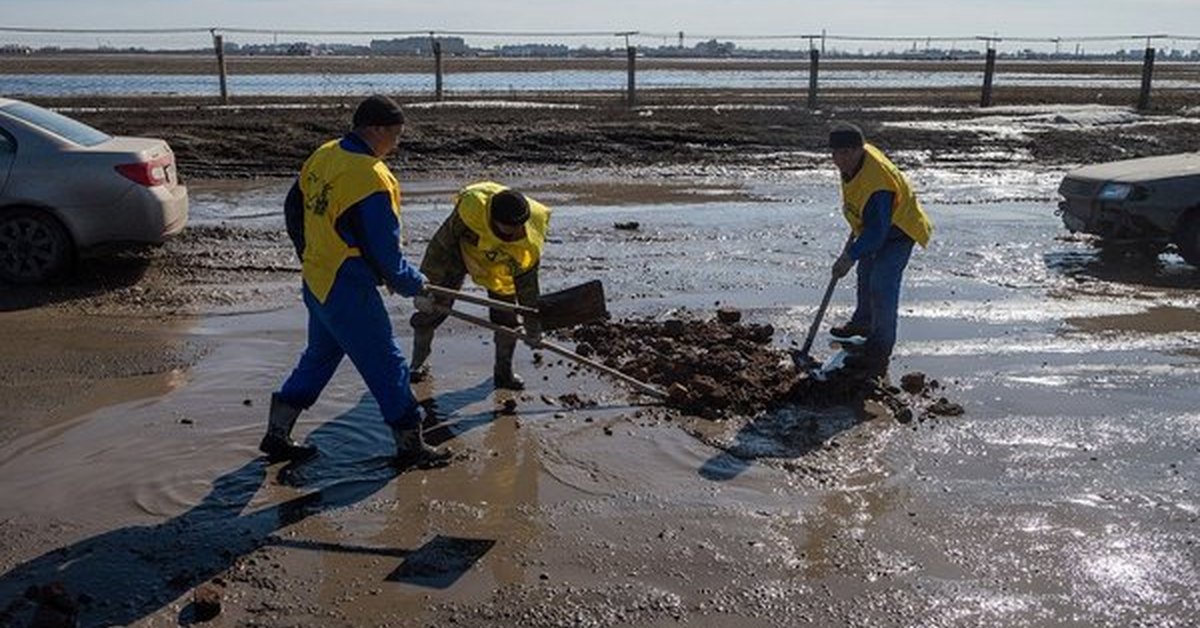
(533, 332)
(843, 265)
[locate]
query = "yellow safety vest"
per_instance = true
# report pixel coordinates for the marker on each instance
(879, 173)
(491, 261)
(332, 180)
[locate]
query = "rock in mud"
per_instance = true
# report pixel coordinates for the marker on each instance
(627, 226)
(913, 383)
(206, 601)
(574, 401)
(945, 407)
(729, 315)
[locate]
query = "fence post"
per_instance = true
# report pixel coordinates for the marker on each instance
(219, 46)
(1147, 79)
(814, 61)
(989, 70)
(631, 90)
(437, 70)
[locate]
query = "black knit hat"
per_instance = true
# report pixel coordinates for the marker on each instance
(845, 135)
(510, 207)
(378, 111)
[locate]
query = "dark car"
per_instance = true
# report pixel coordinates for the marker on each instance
(1149, 202)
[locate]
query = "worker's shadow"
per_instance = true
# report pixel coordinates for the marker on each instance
(127, 574)
(790, 432)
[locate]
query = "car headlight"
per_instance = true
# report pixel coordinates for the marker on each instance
(1114, 191)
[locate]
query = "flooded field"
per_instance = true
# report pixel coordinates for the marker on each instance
(1065, 495)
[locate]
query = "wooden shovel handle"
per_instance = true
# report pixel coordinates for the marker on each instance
(641, 386)
(478, 300)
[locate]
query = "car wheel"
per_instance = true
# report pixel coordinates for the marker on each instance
(34, 246)
(1188, 239)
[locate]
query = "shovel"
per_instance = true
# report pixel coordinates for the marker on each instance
(566, 308)
(802, 359)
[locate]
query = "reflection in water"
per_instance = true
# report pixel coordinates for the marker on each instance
(1166, 271)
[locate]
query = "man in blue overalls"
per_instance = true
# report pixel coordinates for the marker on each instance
(886, 220)
(343, 214)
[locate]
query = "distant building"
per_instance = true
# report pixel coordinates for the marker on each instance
(301, 49)
(15, 49)
(419, 46)
(533, 50)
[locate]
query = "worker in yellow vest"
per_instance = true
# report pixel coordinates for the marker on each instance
(343, 216)
(885, 220)
(495, 234)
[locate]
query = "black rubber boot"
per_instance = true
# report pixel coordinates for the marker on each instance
(865, 367)
(848, 330)
(277, 444)
(422, 348)
(502, 374)
(412, 452)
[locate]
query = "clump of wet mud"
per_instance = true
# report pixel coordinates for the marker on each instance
(715, 368)
(724, 367)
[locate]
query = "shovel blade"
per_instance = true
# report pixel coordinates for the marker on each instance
(573, 306)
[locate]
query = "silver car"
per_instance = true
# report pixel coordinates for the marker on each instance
(1145, 203)
(66, 187)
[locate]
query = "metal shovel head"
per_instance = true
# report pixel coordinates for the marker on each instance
(573, 306)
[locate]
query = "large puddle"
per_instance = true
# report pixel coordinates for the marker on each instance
(1065, 493)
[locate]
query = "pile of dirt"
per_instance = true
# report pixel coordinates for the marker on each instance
(722, 367)
(713, 368)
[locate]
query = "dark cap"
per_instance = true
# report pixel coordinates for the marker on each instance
(510, 207)
(845, 135)
(378, 111)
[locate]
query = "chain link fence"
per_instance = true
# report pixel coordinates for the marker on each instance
(235, 64)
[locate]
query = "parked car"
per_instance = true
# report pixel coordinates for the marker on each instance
(1151, 201)
(66, 187)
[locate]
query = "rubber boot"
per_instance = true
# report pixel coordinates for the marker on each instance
(849, 330)
(277, 444)
(422, 347)
(412, 452)
(502, 374)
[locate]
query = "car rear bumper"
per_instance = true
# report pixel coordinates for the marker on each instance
(1113, 221)
(144, 214)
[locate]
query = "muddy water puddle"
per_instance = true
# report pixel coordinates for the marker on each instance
(1065, 493)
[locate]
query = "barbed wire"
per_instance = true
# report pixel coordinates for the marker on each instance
(613, 33)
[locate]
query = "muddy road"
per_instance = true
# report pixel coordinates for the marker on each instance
(1065, 493)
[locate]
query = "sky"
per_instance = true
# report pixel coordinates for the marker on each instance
(697, 18)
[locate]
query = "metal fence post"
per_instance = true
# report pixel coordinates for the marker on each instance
(631, 90)
(814, 61)
(437, 70)
(989, 70)
(1147, 79)
(219, 46)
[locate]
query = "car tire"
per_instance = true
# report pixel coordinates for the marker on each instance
(1141, 250)
(1188, 238)
(34, 246)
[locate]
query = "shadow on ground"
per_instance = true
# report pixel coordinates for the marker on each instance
(92, 277)
(124, 575)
